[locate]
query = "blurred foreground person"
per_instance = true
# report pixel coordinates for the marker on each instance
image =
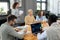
(53, 32)
(7, 31)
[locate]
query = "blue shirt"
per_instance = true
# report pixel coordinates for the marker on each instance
(41, 18)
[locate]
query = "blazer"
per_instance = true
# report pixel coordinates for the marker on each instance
(8, 33)
(53, 32)
(29, 20)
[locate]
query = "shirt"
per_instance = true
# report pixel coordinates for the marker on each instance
(7, 32)
(41, 18)
(19, 14)
(42, 36)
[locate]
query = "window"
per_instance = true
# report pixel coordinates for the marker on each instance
(43, 0)
(41, 4)
(38, 0)
(3, 8)
(38, 6)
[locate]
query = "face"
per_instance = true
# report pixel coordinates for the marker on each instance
(17, 6)
(41, 13)
(13, 22)
(31, 13)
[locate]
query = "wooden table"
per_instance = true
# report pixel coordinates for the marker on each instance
(30, 36)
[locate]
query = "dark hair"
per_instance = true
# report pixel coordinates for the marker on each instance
(39, 13)
(14, 5)
(11, 18)
(52, 18)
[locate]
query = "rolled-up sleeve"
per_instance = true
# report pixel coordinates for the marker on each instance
(42, 36)
(12, 32)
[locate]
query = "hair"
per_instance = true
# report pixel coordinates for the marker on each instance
(52, 18)
(39, 13)
(14, 5)
(29, 10)
(11, 18)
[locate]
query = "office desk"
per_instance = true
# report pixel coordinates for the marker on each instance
(30, 35)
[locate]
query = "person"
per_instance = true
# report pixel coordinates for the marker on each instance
(43, 20)
(15, 11)
(53, 32)
(29, 19)
(41, 16)
(7, 31)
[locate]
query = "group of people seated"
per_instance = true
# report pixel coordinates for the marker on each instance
(50, 27)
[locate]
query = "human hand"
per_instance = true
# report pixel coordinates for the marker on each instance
(17, 30)
(25, 31)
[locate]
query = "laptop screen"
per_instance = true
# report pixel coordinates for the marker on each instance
(35, 27)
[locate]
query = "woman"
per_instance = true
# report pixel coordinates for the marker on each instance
(41, 17)
(29, 19)
(15, 11)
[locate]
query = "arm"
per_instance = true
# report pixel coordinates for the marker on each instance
(34, 19)
(42, 36)
(27, 21)
(15, 12)
(12, 32)
(44, 18)
(37, 18)
(21, 27)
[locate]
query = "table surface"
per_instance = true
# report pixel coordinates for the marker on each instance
(30, 36)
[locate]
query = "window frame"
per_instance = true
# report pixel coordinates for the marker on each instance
(41, 4)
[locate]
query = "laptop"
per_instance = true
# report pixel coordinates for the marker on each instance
(36, 27)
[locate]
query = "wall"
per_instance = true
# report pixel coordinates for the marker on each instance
(53, 6)
(30, 4)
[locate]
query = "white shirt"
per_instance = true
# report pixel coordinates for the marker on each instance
(16, 13)
(42, 36)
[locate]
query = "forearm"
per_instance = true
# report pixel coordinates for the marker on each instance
(42, 36)
(12, 32)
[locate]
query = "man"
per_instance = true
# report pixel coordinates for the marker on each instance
(53, 32)
(7, 31)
